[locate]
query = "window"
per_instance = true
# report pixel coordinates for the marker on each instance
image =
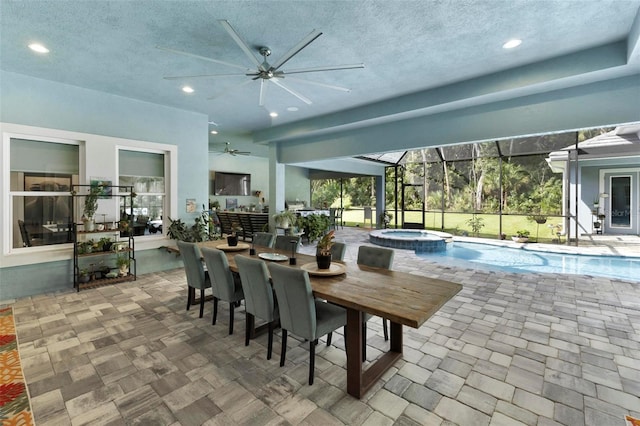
(144, 171)
(41, 175)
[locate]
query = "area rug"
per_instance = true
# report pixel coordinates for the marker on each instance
(15, 407)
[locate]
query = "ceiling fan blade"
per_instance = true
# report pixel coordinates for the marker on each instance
(326, 68)
(293, 92)
(296, 49)
(181, 77)
(240, 42)
(315, 83)
(192, 55)
(229, 89)
(263, 92)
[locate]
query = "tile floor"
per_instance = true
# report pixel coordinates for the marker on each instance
(509, 349)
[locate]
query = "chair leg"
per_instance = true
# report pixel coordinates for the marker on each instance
(232, 307)
(329, 338)
(189, 292)
(270, 341)
(385, 330)
(283, 352)
(201, 302)
(312, 359)
(249, 324)
(215, 311)
(364, 341)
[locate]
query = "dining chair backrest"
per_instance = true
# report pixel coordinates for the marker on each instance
(192, 265)
(26, 239)
(283, 242)
(258, 294)
(295, 300)
(377, 257)
(221, 276)
(338, 251)
(263, 239)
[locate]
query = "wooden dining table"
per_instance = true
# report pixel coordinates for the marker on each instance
(400, 297)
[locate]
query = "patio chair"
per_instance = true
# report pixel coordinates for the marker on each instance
(301, 313)
(197, 279)
(377, 257)
(259, 299)
(263, 239)
(225, 285)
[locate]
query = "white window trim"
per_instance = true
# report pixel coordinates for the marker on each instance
(33, 255)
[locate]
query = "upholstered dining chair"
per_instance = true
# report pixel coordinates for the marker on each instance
(197, 279)
(283, 242)
(225, 285)
(259, 300)
(377, 257)
(263, 239)
(338, 251)
(302, 314)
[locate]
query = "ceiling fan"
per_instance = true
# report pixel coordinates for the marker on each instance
(231, 151)
(264, 71)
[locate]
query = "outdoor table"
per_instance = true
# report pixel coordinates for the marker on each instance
(400, 297)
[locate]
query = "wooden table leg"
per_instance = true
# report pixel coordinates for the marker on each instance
(359, 381)
(354, 352)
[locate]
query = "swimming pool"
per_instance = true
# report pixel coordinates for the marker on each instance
(492, 257)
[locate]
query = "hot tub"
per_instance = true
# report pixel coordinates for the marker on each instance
(410, 239)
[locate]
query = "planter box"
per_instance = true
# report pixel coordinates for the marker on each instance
(520, 239)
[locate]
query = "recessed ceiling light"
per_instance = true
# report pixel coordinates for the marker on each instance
(273, 114)
(38, 48)
(187, 89)
(214, 132)
(292, 109)
(512, 43)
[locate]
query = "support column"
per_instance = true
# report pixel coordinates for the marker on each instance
(380, 198)
(276, 184)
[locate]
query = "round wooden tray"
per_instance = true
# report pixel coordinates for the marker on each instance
(334, 269)
(239, 247)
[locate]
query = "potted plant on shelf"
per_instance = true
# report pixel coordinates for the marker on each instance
(123, 263)
(323, 250)
(522, 236)
(83, 275)
(90, 207)
(104, 244)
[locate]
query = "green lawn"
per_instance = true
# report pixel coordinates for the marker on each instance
(457, 224)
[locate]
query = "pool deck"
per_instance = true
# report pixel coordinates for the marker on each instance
(509, 349)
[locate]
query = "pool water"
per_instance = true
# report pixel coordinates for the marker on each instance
(491, 257)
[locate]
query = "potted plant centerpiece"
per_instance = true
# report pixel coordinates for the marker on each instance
(90, 207)
(323, 250)
(232, 240)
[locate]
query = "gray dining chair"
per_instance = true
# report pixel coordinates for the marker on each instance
(225, 285)
(338, 250)
(377, 257)
(301, 313)
(259, 300)
(197, 279)
(283, 242)
(263, 239)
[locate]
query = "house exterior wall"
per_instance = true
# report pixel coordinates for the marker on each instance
(99, 117)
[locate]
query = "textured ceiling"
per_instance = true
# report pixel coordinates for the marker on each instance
(406, 46)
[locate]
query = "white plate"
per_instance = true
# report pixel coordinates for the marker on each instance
(273, 256)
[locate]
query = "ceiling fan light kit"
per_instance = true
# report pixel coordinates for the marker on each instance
(266, 72)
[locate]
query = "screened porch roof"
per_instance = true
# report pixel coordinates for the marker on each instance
(529, 145)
